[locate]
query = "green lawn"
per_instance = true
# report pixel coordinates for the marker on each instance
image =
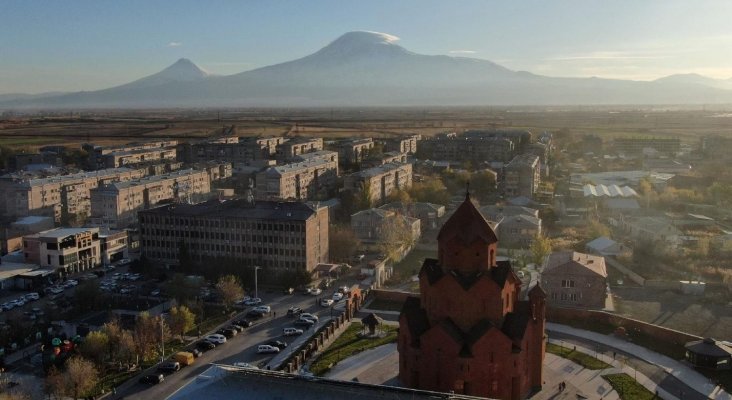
(349, 344)
(582, 359)
(628, 388)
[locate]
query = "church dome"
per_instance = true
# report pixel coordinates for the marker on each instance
(467, 224)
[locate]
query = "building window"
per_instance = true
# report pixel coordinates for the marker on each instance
(567, 283)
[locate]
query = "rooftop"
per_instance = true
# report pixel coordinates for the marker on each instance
(148, 180)
(565, 259)
(64, 232)
(238, 208)
(296, 166)
(375, 171)
(608, 191)
(100, 174)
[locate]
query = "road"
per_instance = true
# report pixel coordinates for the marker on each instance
(240, 348)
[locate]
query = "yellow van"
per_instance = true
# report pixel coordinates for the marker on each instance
(184, 358)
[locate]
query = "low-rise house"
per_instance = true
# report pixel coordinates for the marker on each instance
(370, 225)
(575, 279)
(605, 246)
(429, 214)
(518, 230)
(655, 229)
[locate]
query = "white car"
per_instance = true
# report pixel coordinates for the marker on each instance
(18, 302)
(216, 338)
(265, 348)
(32, 296)
(337, 296)
(326, 302)
(253, 302)
(309, 316)
(316, 292)
(292, 332)
(262, 309)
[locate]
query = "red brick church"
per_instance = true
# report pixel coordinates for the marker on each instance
(468, 332)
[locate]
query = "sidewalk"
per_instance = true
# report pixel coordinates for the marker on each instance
(683, 373)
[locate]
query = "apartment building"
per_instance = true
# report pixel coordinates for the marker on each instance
(406, 144)
(278, 236)
(114, 156)
(385, 158)
(115, 205)
(519, 137)
(69, 249)
(522, 176)
(57, 196)
(231, 149)
(292, 148)
(302, 180)
(380, 181)
(353, 151)
(575, 279)
(461, 148)
(217, 171)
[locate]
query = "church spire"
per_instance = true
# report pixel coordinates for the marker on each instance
(467, 190)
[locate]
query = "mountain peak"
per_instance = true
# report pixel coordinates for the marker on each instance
(364, 38)
(362, 44)
(184, 69)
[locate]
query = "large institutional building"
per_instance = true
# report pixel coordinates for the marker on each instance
(468, 332)
(281, 236)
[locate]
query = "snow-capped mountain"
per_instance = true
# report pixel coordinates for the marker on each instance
(370, 69)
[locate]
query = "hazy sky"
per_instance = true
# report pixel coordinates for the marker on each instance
(87, 45)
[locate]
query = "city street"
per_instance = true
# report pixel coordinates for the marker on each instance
(240, 348)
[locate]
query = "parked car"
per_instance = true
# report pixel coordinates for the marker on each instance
(205, 345)
(289, 290)
(155, 293)
(293, 311)
(254, 314)
(244, 323)
(337, 296)
(309, 316)
(316, 291)
(277, 343)
(216, 338)
(305, 323)
(184, 358)
(32, 296)
(196, 353)
(265, 348)
(228, 333)
(253, 302)
(152, 379)
(169, 366)
(262, 309)
(236, 327)
(292, 332)
(326, 302)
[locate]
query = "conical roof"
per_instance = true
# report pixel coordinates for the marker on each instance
(467, 224)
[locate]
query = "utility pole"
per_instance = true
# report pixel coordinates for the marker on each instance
(162, 341)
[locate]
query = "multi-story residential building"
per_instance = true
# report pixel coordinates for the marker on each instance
(278, 236)
(302, 180)
(370, 225)
(406, 144)
(385, 158)
(380, 181)
(113, 245)
(352, 151)
(69, 249)
(474, 149)
(38, 160)
(294, 147)
(114, 156)
(635, 145)
(518, 137)
(575, 279)
(57, 196)
(241, 151)
(115, 205)
(217, 171)
(522, 176)
(518, 231)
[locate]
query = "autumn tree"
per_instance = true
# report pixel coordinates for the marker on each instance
(181, 320)
(230, 289)
(597, 229)
(540, 247)
(362, 198)
(79, 377)
(181, 288)
(342, 242)
(120, 344)
(147, 335)
(95, 346)
(401, 196)
(483, 184)
(431, 190)
(396, 235)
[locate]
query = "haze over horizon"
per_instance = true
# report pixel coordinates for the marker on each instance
(90, 45)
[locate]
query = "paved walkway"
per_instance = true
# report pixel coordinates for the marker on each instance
(688, 376)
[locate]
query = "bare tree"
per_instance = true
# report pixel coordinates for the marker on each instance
(396, 236)
(230, 289)
(78, 379)
(342, 242)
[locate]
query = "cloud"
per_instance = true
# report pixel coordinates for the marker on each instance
(175, 44)
(462, 51)
(389, 38)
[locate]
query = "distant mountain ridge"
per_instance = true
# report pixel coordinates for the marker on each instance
(369, 69)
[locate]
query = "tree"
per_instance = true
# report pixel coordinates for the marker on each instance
(342, 242)
(431, 190)
(181, 320)
(597, 229)
(399, 195)
(147, 335)
(540, 247)
(181, 288)
(396, 236)
(483, 184)
(95, 346)
(80, 377)
(362, 199)
(230, 289)
(120, 344)
(88, 297)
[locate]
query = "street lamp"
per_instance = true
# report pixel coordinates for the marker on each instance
(256, 291)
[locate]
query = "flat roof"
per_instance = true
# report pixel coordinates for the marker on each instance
(63, 232)
(229, 382)
(9, 270)
(238, 208)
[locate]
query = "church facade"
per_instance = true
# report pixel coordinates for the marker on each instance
(468, 332)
